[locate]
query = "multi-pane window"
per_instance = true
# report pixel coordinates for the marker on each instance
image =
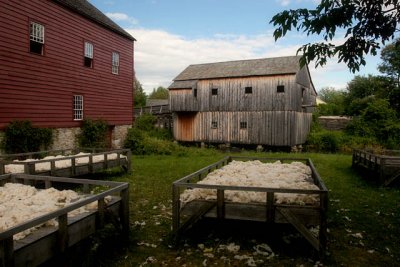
(248, 90)
(36, 38)
(243, 125)
(88, 57)
(214, 91)
(115, 63)
(280, 89)
(214, 124)
(78, 107)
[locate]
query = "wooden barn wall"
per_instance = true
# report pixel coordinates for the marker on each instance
(41, 88)
(275, 128)
(231, 95)
(183, 100)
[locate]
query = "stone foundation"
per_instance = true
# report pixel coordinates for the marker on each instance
(118, 135)
(66, 138)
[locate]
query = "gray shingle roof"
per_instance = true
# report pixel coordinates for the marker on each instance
(86, 9)
(183, 84)
(241, 68)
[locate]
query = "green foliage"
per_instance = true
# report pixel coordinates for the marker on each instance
(139, 96)
(334, 102)
(379, 121)
(159, 93)
(324, 141)
(390, 65)
(93, 133)
(367, 24)
(145, 122)
(145, 139)
(22, 137)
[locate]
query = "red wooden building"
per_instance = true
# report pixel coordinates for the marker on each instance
(62, 61)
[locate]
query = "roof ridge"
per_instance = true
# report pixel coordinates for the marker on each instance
(241, 60)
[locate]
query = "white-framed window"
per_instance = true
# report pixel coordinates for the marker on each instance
(36, 38)
(115, 62)
(88, 57)
(78, 107)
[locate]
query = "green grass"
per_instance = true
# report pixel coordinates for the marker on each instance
(356, 206)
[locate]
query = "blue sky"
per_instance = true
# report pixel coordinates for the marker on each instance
(174, 34)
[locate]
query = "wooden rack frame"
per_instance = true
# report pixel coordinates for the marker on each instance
(300, 216)
(386, 165)
(123, 160)
(53, 241)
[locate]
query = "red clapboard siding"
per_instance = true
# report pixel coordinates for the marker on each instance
(41, 88)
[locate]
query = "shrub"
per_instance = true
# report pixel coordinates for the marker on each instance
(93, 133)
(324, 141)
(22, 137)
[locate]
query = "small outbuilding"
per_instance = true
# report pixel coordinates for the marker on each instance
(265, 101)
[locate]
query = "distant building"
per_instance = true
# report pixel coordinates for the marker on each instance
(262, 101)
(63, 61)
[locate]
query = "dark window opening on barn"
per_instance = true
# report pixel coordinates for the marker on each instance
(115, 62)
(214, 125)
(280, 89)
(243, 125)
(248, 90)
(36, 38)
(214, 91)
(88, 57)
(78, 107)
(195, 92)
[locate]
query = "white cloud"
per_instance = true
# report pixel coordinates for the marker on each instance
(288, 2)
(122, 17)
(160, 56)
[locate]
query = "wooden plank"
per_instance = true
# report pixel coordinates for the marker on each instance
(293, 220)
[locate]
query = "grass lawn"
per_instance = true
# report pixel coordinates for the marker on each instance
(363, 221)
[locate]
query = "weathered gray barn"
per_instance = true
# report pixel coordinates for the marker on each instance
(262, 101)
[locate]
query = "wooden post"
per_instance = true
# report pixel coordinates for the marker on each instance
(100, 213)
(175, 209)
(2, 168)
(124, 214)
(73, 166)
(62, 235)
(52, 168)
(7, 252)
(323, 223)
(90, 166)
(129, 158)
(220, 204)
(270, 207)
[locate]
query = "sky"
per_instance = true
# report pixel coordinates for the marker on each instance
(173, 34)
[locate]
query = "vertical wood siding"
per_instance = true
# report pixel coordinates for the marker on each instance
(40, 88)
(231, 95)
(275, 128)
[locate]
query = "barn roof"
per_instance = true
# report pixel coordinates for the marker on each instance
(86, 9)
(241, 68)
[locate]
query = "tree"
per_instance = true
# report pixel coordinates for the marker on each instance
(368, 24)
(139, 96)
(390, 65)
(159, 93)
(334, 101)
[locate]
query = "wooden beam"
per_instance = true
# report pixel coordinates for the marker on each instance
(291, 218)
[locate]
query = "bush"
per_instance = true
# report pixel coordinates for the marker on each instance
(145, 139)
(93, 133)
(324, 141)
(22, 137)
